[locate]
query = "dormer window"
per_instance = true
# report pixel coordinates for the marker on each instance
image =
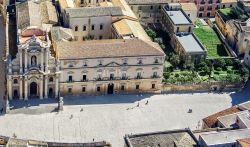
(139, 61)
(100, 62)
(125, 61)
(156, 60)
(85, 63)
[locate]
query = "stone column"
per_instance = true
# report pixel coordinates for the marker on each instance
(25, 61)
(41, 88)
(46, 87)
(25, 88)
(42, 69)
(21, 61)
(57, 87)
(10, 87)
(21, 88)
(46, 60)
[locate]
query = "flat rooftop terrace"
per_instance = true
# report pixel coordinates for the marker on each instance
(190, 43)
(225, 136)
(178, 17)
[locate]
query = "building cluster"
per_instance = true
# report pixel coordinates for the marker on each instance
(234, 26)
(74, 47)
(227, 128)
(84, 47)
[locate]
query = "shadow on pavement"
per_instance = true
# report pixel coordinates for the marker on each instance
(17, 104)
(105, 99)
(242, 95)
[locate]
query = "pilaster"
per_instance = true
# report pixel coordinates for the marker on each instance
(21, 88)
(25, 88)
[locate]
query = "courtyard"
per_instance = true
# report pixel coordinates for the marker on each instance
(110, 117)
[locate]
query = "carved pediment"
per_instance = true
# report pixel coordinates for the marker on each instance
(112, 64)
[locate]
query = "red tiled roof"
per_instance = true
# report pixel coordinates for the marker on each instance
(212, 119)
(244, 142)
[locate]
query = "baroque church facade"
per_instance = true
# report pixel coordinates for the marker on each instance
(33, 72)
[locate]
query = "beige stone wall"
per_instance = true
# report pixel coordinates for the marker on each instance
(76, 69)
(145, 85)
(202, 86)
(105, 32)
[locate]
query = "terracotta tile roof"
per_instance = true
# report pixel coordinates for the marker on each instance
(212, 119)
(122, 27)
(94, 11)
(107, 49)
(31, 13)
(244, 142)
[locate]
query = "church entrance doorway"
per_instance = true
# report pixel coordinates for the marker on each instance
(33, 89)
(110, 88)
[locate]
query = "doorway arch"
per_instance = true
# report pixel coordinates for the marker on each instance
(50, 92)
(33, 89)
(110, 88)
(15, 95)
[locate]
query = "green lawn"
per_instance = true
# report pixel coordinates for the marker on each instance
(178, 76)
(210, 41)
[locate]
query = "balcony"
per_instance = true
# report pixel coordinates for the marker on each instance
(84, 80)
(70, 81)
(155, 76)
(124, 78)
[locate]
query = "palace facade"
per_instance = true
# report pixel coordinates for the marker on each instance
(100, 49)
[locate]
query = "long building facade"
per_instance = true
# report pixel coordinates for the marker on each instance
(96, 56)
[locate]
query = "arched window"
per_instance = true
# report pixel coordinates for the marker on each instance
(76, 28)
(51, 79)
(33, 60)
(15, 81)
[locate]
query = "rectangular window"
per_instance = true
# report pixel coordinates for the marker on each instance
(122, 87)
(84, 77)
(69, 90)
(177, 29)
(100, 37)
(98, 88)
(70, 79)
(84, 28)
(112, 76)
(153, 86)
(101, 27)
(137, 87)
(151, 7)
(83, 89)
(93, 27)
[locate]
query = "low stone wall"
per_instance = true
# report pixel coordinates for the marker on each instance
(206, 86)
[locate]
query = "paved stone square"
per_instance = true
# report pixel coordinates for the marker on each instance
(111, 117)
